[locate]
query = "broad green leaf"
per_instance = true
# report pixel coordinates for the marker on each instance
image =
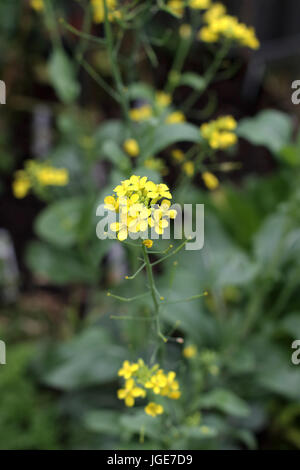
(57, 265)
(226, 401)
(88, 359)
(110, 130)
(62, 76)
(103, 421)
(140, 90)
(59, 223)
(138, 421)
(115, 154)
(167, 134)
(270, 128)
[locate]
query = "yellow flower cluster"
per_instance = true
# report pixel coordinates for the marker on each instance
(141, 380)
(38, 174)
(221, 25)
(37, 5)
(136, 201)
(219, 133)
(99, 11)
(177, 6)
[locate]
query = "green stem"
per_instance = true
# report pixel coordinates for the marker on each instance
(208, 77)
(152, 288)
(114, 64)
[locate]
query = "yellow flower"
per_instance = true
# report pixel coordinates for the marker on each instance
(37, 5)
(131, 146)
(199, 4)
(148, 243)
(221, 25)
(190, 351)
(189, 168)
(157, 382)
(171, 389)
(99, 12)
(176, 7)
(49, 176)
(153, 409)
(178, 155)
(21, 185)
(216, 11)
(142, 113)
(185, 31)
(220, 133)
(175, 117)
(130, 392)
(210, 180)
(136, 202)
(163, 99)
(128, 370)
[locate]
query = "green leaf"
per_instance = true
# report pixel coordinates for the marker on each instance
(59, 223)
(167, 134)
(115, 154)
(88, 359)
(226, 401)
(140, 90)
(57, 265)
(138, 421)
(103, 421)
(62, 76)
(272, 129)
(110, 130)
(290, 155)
(193, 80)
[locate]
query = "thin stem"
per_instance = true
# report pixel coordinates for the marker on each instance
(127, 299)
(208, 77)
(81, 34)
(52, 24)
(114, 63)
(153, 293)
(136, 273)
(187, 299)
(98, 79)
(170, 254)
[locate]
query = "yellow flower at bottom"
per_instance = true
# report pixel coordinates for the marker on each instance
(130, 392)
(37, 5)
(190, 351)
(210, 180)
(131, 146)
(153, 409)
(148, 243)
